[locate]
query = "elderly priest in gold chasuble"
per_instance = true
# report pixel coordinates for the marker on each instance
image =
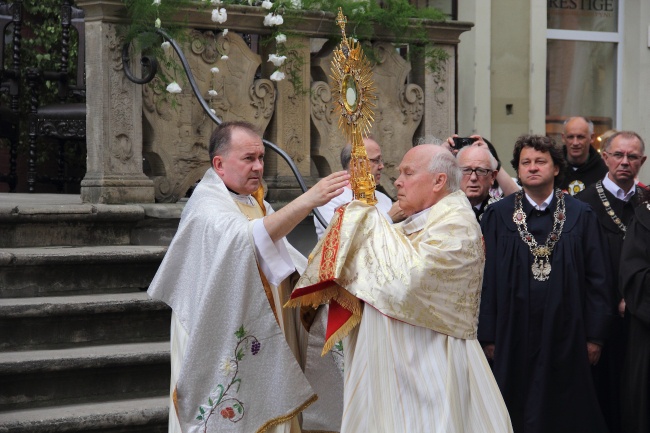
(405, 298)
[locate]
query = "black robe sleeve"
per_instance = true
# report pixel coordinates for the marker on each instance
(635, 266)
(599, 303)
(487, 312)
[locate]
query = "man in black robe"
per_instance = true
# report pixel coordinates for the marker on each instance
(613, 199)
(635, 286)
(546, 301)
(585, 164)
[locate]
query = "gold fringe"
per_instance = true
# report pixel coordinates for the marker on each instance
(341, 333)
(348, 301)
(315, 299)
(275, 421)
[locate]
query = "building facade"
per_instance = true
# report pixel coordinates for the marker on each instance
(527, 65)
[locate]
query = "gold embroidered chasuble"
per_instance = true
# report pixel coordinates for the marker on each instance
(412, 361)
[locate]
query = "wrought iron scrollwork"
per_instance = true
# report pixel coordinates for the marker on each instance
(151, 65)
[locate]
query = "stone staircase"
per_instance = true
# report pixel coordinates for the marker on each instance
(82, 348)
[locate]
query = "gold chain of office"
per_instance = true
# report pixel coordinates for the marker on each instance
(608, 208)
(541, 266)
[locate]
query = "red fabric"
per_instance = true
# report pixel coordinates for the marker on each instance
(336, 318)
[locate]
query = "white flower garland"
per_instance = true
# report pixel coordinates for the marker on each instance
(220, 16)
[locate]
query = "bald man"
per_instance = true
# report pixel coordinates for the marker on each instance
(586, 167)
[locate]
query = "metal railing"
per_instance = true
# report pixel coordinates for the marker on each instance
(150, 65)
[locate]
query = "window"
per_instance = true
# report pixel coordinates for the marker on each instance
(583, 60)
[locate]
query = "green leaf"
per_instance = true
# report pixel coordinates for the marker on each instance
(238, 382)
(200, 418)
(201, 410)
(220, 396)
(210, 402)
(241, 332)
(238, 407)
(240, 354)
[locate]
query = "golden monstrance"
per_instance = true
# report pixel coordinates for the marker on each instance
(352, 89)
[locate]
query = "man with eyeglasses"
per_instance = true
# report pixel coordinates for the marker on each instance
(586, 166)
(480, 168)
(614, 198)
(385, 205)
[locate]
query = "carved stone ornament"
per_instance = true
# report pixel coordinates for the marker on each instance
(176, 130)
(398, 112)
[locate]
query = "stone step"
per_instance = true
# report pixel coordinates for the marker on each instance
(62, 271)
(35, 220)
(67, 321)
(146, 415)
(41, 378)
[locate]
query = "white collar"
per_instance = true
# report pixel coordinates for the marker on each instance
(544, 204)
(245, 199)
(416, 222)
(617, 191)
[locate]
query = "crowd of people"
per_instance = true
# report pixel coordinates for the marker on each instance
(473, 303)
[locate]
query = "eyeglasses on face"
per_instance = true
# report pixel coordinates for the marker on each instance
(467, 171)
(377, 161)
(618, 156)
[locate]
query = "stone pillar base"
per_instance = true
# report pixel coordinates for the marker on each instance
(117, 190)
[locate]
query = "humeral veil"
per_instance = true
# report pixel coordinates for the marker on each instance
(412, 361)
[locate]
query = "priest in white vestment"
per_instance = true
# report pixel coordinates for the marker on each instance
(235, 352)
(406, 298)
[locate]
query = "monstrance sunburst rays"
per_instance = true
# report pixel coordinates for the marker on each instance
(353, 93)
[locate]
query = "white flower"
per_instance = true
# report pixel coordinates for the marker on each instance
(214, 70)
(277, 60)
(227, 366)
(212, 92)
(277, 76)
(281, 38)
(157, 23)
(156, 2)
(273, 20)
(225, 32)
(174, 87)
(266, 4)
(166, 46)
(224, 57)
(219, 15)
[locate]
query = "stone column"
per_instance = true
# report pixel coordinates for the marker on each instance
(439, 102)
(113, 116)
(290, 127)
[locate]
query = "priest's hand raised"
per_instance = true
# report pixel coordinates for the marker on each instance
(280, 223)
